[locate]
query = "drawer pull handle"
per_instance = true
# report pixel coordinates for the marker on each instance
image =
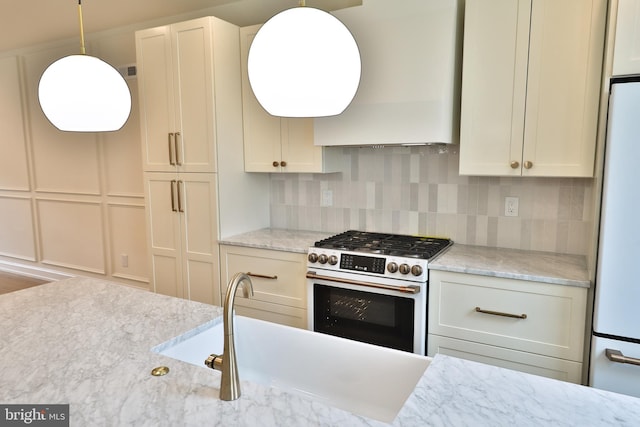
(618, 357)
(499, 313)
(262, 276)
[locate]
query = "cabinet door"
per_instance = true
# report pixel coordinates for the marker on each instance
(198, 206)
(563, 90)
(182, 228)
(496, 39)
(271, 140)
(163, 234)
(530, 87)
(261, 130)
(298, 150)
(626, 53)
(155, 85)
(192, 50)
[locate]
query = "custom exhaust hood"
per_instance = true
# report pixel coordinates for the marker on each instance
(409, 91)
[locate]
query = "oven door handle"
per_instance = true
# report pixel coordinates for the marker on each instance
(410, 289)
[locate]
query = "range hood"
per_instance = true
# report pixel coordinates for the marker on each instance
(409, 89)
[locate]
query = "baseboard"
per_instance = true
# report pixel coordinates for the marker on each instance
(31, 271)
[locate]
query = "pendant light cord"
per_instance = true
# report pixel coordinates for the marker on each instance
(82, 49)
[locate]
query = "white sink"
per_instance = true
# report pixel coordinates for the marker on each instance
(361, 378)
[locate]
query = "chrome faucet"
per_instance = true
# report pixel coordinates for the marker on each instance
(226, 362)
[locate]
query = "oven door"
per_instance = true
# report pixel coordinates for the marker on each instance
(381, 311)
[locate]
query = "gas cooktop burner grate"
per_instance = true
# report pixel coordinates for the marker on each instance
(386, 244)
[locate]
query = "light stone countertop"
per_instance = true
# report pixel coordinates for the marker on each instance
(87, 343)
(277, 239)
(547, 267)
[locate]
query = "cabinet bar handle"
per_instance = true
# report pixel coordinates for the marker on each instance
(410, 289)
(262, 276)
(180, 204)
(173, 196)
(175, 140)
(499, 313)
(172, 162)
(618, 357)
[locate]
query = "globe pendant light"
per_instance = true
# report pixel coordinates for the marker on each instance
(81, 93)
(304, 62)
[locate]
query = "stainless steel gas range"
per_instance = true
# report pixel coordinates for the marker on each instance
(372, 287)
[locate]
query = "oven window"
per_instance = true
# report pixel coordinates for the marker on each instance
(373, 318)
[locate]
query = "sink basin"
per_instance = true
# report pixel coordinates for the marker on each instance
(361, 378)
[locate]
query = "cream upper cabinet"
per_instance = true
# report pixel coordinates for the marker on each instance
(531, 87)
(182, 230)
(275, 144)
(175, 75)
(626, 53)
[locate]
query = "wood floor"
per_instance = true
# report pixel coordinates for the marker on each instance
(13, 282)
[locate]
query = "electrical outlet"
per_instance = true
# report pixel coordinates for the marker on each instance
(124, 259)
(510, 206)
(326, 198)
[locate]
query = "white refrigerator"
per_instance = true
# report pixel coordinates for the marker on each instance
(615, 344)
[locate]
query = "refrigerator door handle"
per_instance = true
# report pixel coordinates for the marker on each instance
(618, 357)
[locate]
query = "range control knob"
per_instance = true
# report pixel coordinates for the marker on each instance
(313, 257)
(333, 260)
(405, 269)
(392, 267)
(323, 259)
(416, 270)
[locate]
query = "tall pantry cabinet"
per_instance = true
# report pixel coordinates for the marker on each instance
(191, 126)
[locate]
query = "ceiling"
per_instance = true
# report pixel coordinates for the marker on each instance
(25, 23)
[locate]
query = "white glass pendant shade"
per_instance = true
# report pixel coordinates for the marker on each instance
(81, 93)
(304, 62)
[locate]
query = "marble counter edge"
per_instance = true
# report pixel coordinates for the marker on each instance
(551, 268)
(296, 241)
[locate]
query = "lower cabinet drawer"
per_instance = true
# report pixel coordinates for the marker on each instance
(534, 317)
(279, 283)
(289, 316)
(536, 364)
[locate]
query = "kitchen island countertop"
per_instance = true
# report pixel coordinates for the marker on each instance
(88, 343)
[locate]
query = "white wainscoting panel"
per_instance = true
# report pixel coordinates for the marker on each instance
(14, 174)
(16, 233)
(64, 162)
(71, 234)
(127, 233)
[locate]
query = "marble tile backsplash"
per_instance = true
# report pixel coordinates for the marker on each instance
(417, 190)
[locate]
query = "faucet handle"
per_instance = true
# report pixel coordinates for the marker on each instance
(214, 361)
